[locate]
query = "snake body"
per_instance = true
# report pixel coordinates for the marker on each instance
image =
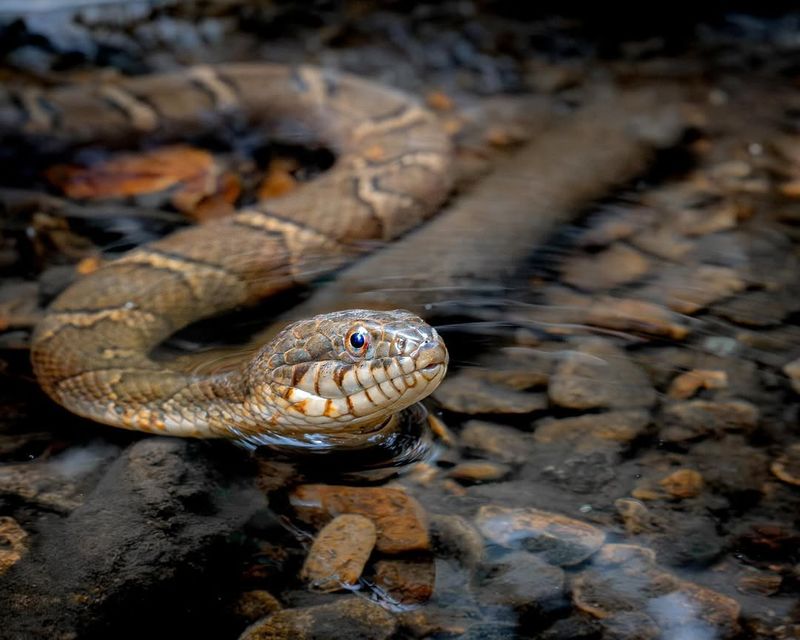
(91, 351)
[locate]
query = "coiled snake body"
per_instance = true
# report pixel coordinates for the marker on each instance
(340, 374)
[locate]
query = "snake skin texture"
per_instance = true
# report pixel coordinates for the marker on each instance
(392, 171)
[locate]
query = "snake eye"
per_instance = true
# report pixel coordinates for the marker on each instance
(357, 342)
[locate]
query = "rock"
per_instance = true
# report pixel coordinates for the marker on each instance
(630, 625)
(692, 610)
(636, 316)
(496, 441)
(663, 242)
(471, 393)
(257, 604)
(758, 582)
(13, 543)
(612, 426)
(399, 519)
(756, 308)
(158, 522)
(683, 483)
(787, 467)
(793, 371)
(636, 516)
(599, 375)
(344, 619)
(406, 582)
(687, 384)
(689, 419)
(691, 289)
(558, 539)
(610, 268)
(455, 536)
(339, 553)
(522, 580)
(473, 472)
(584, 472)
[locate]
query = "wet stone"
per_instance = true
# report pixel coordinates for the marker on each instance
(471, 392)
(583, 431)
(406, 581)
(755, 308)
(522, 580)
(343, 619)
(558, 539)
(630, 625)
(503, 443)
(690, 419)
(793, 371)
(757, 582)
(13, 543)
(689, 383)
(585, 472)
(787, 467)
(473, 472)
(256, 604)
(636, 316)
(339, 553)
(610, 268)
(689, 290)
(636, 516)
(399, 519)
(457, 537)
(683, 483)
(600, 375)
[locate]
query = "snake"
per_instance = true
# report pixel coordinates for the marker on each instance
(332, 380)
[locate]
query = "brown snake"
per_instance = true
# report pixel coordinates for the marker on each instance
(337, 376)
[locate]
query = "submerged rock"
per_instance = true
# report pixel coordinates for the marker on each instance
(406, 581)
(522, 580)
(13, 543)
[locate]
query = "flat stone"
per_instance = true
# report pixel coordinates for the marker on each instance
(344, 619)
(683, 483)
(339, 553)
(503, 443)
(256, 604)
(787, 467)
(472, 393)
(400, 521)
(690, 419)
(13, 543)
(756, 308)
(600, 375)
(615, 266)
(522, 580)
(475, 471)
(663, 242)
(636, 316)
(457, 537)
(406, 581)
(611, 426)
(688, 383)
(692, 289)
(558, 539)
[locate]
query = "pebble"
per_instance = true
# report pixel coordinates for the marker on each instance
(687, 384)
(473, 472)
(457, 537)
(343, 619)
(339, 553)
(13, 543)
(506, 444)
(636, 316)
(630, 625)
(256, 604)
(406, 581)
(558, 539)
(610, 268)
(758, 582)
(400, 521)
(472, 392)
(793, 371)
(522, 580)
(690, 419)
(636, 516)
(692, 289)
(663, 242)
(612, 426)
(600, 375)
(683, 483)
(756, 308)
(787, 467)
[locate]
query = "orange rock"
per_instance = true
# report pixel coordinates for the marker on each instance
(683, 483)
(406, 581)
(439, 101)
(689, 383)
(627, 314)
(400, 521)
(339, 553)
(13, 543)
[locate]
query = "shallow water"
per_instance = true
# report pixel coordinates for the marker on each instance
(615, 450)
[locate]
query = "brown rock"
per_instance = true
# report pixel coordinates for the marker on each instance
(787, 467)
(455, 536)
(13, 543)
(257, 604)
(471, 392)
(560, 540)
(690, 419)
(406, 582)
(636, 516)
(683, 483)
(687, 384)
(688, 290)
(759, 582)
(610, 268)
(343, 619)
(612, 426)
(637, 316)
(496, 441)
(522, 580)
(663, 242)
(399, 519)
(600, 375)
(477, 471)
(339, 553)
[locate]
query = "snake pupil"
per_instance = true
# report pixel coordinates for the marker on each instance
(357, 340)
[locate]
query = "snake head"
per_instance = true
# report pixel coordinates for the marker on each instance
(347, 370)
